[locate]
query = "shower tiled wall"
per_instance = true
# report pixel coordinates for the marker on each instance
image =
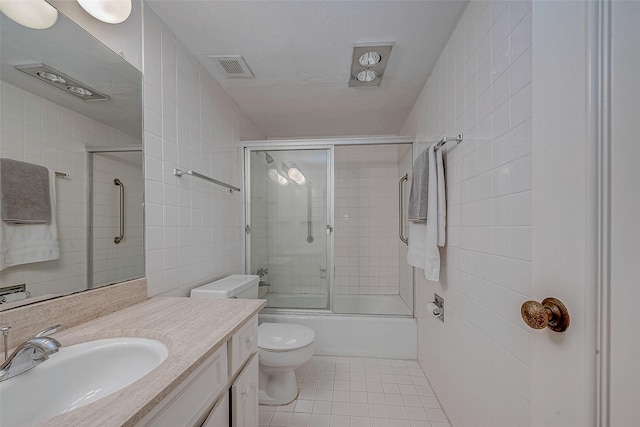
(481, 86)
(194, 229)
(37, 131)
(366, 220)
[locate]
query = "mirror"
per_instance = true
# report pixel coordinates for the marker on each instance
(92, 143)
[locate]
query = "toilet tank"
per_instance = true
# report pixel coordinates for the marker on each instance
(235, 286)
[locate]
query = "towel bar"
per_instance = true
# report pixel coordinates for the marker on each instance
(458, 139)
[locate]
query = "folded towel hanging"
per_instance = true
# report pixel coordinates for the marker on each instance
(24, 192)
(425, 237)
(418, 195)
(27, 243)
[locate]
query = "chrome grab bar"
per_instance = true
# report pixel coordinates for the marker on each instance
(119, 238)
(309, 236)
(404, 239)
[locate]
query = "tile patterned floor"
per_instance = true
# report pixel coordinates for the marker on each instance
(359, 392)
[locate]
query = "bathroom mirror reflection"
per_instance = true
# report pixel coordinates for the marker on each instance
(91, 143)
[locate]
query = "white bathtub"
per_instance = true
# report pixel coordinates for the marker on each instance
(342, 304)
(361, 336)
(370, 304)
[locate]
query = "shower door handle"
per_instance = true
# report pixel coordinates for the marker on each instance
(119, 238)
(404, 239)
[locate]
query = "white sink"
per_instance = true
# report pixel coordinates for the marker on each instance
(76, 376)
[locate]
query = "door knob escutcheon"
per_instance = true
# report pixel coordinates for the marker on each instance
(551, 313)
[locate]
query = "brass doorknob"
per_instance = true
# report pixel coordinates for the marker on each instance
(551, 314)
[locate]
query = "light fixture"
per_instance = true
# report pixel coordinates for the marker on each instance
(368, 63)
(366, 76)
(294, 173)
(275, 176)
(369, 59)
(109, 11)
(63, 82)
(50, 76)
(36, 14)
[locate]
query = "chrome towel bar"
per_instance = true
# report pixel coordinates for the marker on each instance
(458, 139)
(179, 173)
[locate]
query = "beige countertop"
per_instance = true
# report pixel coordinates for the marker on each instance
(192, 329)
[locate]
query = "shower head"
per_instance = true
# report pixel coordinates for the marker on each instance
(268, 158)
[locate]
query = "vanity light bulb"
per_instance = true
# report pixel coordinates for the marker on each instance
(275, 176)
(296, 175)
(36, 14)
(109, 11)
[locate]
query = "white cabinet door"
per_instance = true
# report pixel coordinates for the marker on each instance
(244, 396)
(219, 416)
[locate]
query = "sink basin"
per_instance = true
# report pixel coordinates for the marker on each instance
(76, 376)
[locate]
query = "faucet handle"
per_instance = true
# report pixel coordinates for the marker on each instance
(47, 331)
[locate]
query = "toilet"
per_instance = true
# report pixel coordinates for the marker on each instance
(282, 347)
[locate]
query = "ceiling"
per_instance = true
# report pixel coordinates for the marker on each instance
(300, 53)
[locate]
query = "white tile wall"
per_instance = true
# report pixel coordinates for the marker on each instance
(37, 131)
(113, 263)
(194, 228)
(366, 220)
(481, 86)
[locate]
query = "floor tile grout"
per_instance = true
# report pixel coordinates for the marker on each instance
(355, 391)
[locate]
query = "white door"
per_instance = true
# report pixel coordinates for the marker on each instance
(562, 364)
(625, 214)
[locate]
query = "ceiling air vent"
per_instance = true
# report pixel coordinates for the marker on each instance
(233, 66)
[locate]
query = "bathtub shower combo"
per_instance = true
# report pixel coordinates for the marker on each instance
(325, 235)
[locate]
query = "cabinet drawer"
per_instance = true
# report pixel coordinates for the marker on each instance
(244, 396)
(189, 402)
(242, 345)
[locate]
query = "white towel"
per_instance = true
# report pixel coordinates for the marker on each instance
(432, 254)
(26, 243)
(417, 210)
(424, 238)
(442, 200)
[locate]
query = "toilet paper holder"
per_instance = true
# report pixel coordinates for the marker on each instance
(436, 307)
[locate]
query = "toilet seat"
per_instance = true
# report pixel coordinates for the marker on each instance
(284, 336)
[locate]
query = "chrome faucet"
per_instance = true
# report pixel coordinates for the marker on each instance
(30, 354)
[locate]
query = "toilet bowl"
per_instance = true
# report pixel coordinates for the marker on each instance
(282, 347)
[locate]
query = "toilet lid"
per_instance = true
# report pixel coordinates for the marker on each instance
(284, 336)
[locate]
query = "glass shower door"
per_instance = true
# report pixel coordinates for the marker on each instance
(288, 240)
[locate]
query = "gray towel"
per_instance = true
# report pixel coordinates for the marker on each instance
(417, 211)
(24, 192)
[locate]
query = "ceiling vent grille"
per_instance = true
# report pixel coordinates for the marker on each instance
(233, 66)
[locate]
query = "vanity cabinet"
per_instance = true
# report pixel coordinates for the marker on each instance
(244, 396)
(221, 392)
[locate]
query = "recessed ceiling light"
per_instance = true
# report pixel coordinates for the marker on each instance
(368, 63)
(62, 81)
(50, 76)
(366, 76)
(79, 90)
(369, 59)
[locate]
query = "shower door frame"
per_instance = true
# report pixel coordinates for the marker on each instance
(89, 244)
(304, 144)
(269, 146)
